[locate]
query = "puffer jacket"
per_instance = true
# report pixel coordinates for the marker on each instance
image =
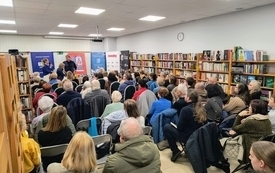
(137, 155)
(112, 118)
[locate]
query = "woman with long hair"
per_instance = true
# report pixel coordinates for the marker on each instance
(79, 157)
(131, 109)
(262, 156)
(240, 101)
(191, 118)
(252, 125)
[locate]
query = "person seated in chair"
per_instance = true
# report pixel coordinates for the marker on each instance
(141, 88)
(96, 91)
(252, 125)
(180, 91)
(116, 105)
(160, 83)
(152, 83)
(86, 88)
(254, 88)
(191, 118)
(128, 80)
(214, 81)
(200, 88)
(53, 78)
(172, 83)
(46, 89)
(135, 152)
(190, 83)
(271, 113)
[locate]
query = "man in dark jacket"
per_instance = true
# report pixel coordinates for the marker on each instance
(69, 64)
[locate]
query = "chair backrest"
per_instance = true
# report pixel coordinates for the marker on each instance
(59, 91)
(270, 138)
(114, 86)
(78, 110)
(74, 84)
(129, 92)
(97, 105)
(54, 86)
(34, 88)
(83, 125)
(147, 130)
(49, 95)
(78, 88)
(53, 150)
(102, 139)
(102, 83)
(38, 90)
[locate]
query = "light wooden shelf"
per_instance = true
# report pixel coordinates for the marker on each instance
(24, 81)
(255, 62)
(185, 69)
(165, 60)
(24, 95)
(217, 61)
(148, 60)
(136, 65)
(165, 68)
(185, 61)
(252, 74)
(206, 71)
(207, 81)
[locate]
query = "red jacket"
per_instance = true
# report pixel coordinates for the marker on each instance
(138, 92)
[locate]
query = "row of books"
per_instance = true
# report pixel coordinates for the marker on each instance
(28, 114)
(264, 81)
(137, 63)
(210, 66)
(24, 88)
(185, 74)
(159, 70)
(149, 70)
(22, 75)
(26, 102)
(250, 68)
(165, 64)
(20, 61)
(220, 77)
(248, 55)
(143, 56)
(184, 65)
(149, 63)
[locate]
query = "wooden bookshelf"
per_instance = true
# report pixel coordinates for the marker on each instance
(10, 144)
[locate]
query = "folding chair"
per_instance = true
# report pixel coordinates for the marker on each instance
(52, 154)
(78, 88)
(38, 90)
(101, 140)
(49, 95)
(85, 124)
(74, 84)
(102, 83)
(147, 130)
(114, 86)
(78, 110)
(59, 91)
(129, 92)
(54, 86)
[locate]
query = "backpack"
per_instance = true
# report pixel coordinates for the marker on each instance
(112, 130)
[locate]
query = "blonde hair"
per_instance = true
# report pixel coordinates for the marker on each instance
(265, 151)
(160, 81)
(131, 108)
(22, 121)
(53, 76)
(255, 86)
(57, 120)
(36, 79)
(80, 155)
(70, 75)
(116, 96)
(44, 60)
(61, 65)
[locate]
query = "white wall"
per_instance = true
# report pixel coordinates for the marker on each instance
(252, 29)
(110, 44)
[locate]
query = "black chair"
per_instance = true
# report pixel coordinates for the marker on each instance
(54, 86)
(79, 88)
(33, 89)
(114, 86)
(74, 84)
(83, 125)
(59, 91)
(102, 83)
(129, 92)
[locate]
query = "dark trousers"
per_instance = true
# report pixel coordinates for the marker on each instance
(172, 136)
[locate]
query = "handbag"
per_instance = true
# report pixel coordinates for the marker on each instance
(233, 148)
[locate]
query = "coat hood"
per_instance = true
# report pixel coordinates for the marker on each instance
(129, 82)
(116, 116)
(258, 117)
(139, 151)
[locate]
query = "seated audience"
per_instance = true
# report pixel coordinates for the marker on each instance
(172, 83)
(190, 83)
(36, 80)
(213, 80)
(116, 105)
(152, 83)
(105, 75)
(70, 75)
(79, 157)
(68, 95)
(86, 88)
(30, 149)
(141, 88)
(165, 77)
(240, 101)
(53, 79)
(181, 91)
(111, 78)
(127, 158)
(96, 91)
(191, 118)
(199, 87)
(252, 125)
(143, 75)
(214, 103)
(131, 109)
(84, 79)
(271, 113)
(254, 88)
(55, 133)
(60, 71)
(161, 104)
(45, 104)
(128, 80)
(46, 89)
(262, 156)
(160, 83)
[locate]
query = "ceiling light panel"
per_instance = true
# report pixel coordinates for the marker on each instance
(95, 35)
(116, 29)
(11, 22)
(152, 18)
(91, 11)
(56, 33)
(8, 31)
(67, 25)
(7, 3)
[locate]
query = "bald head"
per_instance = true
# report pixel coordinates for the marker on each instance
(199, 86)
(68, 85)
(95, 85)
(130, 128)
(212, 80)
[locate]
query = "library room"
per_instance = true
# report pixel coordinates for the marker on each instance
(132, 86)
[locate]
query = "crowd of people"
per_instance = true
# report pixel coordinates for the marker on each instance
(194, 104)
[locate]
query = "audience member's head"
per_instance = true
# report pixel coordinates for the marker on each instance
(85, 78)
(41, 82)
(47, 87)
(153, 76)
(99, 75)
(163, 92)
(163, 74)
(70, 75)
(116, 96)
(68, 85)
(241, 90)
(199, 86)
(129, 129)
(262, 156)
(212, 90)
(53, 76)
(190, 82)
(116, 72)
(160, 81)
(271, 101)
(35, 74)
(105, 74)
(36, 79)
(212, 80)
(136, 74)
(254, 86)
(127, 76)
(112, 77)
(57, 120)
(142, 83)
(80, 155)
(131, 108)
(181, 90)
(45, 103)
(258, 106)
(22, 121)
(172, 80)
(61, 65)
(95, 85)
(86, 85)
(68, 58)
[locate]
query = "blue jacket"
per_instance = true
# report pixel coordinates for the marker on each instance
(159, 106)
(46, 69)
(163, 118)
(60, 74)
(122, 86)
(153, 85)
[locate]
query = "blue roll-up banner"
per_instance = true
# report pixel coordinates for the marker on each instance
(98, 61)
(37, 58)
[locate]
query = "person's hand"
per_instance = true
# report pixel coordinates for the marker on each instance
(51, 65)
(244, 113)
(232, 132)
(242, 121)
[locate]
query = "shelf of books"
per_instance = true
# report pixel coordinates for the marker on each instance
(144, 62)
(22, 71)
